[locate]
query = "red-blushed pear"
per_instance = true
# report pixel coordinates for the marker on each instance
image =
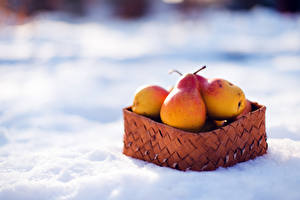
(223, 99)
(184, 107)
(148, 100)
(248, 108)
(202, 81)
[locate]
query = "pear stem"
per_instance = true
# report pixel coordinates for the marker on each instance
(174, 70)
(200, 69)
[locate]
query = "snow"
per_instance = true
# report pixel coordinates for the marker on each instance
(64, 81)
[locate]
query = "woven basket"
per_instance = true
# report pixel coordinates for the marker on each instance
(164, 145)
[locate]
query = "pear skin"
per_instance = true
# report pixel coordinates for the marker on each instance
(148, 100)
(220, 123)
(184, 107)
(223, 99)
(247, 109)
(203, 82)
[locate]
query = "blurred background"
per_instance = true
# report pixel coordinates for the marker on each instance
(136, 8)
(71, 49)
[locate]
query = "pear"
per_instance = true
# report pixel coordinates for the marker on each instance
(184, 107)
(220, 123)
(202, 81)
(248, 108)
(223, 99)
(148, 100)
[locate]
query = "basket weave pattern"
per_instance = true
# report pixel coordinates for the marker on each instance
(164, 145)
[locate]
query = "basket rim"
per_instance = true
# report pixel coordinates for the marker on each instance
(260, 107)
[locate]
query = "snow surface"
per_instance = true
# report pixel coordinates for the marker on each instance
(64, 81)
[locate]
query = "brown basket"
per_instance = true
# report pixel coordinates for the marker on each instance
(164, 145)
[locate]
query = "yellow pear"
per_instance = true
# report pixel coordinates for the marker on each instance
(184, 107)
(148, 100)
(223, 99)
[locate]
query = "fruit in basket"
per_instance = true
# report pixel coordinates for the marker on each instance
(184, 107)
(247, 109)
(223, 99)
(203, 82)
(148, 100)
(209, 125)
(220, 123)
